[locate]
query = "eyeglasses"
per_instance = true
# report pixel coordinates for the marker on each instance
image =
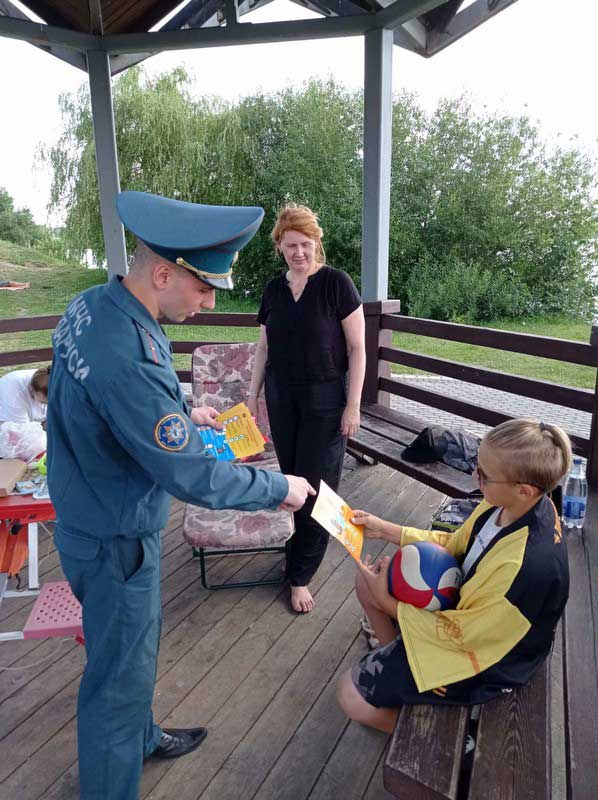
(483, 478)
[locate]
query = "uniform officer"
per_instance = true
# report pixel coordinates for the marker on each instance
(121, 441)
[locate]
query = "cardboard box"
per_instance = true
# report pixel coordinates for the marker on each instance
(11, 471)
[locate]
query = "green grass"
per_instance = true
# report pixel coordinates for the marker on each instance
(531, 366)
(54, 282)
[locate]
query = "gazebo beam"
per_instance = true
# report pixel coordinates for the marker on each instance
(247, 33)
(96, 23)
(98, 64)
(158, 41)
(48, 35)
(411, 35)
(377, 138)
(8, 9)
(465, 22)
(403, 10)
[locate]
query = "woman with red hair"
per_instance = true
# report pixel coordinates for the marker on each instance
(311, 358)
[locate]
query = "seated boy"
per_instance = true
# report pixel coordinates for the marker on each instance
(516, 584)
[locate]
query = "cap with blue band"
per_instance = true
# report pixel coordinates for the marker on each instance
(203, 239)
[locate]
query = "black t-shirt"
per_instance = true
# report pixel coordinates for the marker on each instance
(306, 343)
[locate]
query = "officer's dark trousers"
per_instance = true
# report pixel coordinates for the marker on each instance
(305, 422)
(117, 582)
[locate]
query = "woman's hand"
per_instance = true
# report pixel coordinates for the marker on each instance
(251, 404)
(373, 527)
(206, 415)
(350, 421)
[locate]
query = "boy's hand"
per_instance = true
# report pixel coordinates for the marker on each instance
(206, 415)
(373, 527)
(376, 577)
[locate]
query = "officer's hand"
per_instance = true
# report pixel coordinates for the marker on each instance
(206, 415)
(299, 489)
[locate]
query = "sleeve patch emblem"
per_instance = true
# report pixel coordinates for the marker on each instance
(171, 432)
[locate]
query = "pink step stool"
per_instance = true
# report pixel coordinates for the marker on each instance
(55, 613)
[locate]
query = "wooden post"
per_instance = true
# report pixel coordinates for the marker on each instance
(592, 466)
(377, 127)
(375, 338)
(100, 88)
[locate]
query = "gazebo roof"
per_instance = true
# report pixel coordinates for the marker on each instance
(131, 30)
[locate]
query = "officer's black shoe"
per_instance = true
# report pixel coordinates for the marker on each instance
(177, 742)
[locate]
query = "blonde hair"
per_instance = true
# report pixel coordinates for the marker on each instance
(540, 453)
(293, 217)
(40, 381)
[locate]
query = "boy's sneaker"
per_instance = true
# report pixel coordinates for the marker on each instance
(368, 632)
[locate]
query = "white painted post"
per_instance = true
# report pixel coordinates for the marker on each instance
(33, 558)
(376, 164)
(98, 64)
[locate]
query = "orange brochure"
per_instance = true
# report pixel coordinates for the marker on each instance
(240, 437)
(334, 515)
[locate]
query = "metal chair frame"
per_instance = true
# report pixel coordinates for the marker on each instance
(202, 553)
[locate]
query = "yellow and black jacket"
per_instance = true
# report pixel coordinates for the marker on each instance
(514, 595)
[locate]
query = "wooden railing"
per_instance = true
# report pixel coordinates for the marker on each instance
(381, 353)
(49, 322)
(382, 320)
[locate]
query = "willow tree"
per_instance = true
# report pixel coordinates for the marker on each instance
(486, 219)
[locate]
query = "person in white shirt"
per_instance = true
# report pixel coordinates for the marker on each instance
(24, 395)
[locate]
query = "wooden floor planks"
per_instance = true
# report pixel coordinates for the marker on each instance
(239, 661)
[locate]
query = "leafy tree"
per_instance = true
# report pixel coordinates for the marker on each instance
(485, 219)
(483, 194)
(307, 145)
(16, 225)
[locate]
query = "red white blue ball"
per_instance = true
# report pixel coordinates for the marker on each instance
(425, 575)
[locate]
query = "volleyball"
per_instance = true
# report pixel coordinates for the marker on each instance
(425, 575)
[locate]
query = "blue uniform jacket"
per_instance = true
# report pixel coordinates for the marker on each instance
(120, 441)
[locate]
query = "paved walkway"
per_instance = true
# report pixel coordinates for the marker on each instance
(577, 422)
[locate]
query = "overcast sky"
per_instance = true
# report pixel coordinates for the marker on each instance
(536, 57)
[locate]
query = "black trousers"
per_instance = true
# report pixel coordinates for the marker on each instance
(305, 422)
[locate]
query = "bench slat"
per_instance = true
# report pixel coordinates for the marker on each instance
(437, 475)
(424, 757)
(512, 755)
(409, 423)
(581, 673)
(391, 432)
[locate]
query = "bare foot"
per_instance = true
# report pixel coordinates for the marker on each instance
(301, 599)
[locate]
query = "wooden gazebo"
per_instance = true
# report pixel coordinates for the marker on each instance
(265, 742)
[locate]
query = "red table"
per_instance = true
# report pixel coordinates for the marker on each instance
(23, 509)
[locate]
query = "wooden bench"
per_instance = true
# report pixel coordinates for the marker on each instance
(540, 741)
(385, 432)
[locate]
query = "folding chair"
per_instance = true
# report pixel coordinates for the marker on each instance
(221, 376)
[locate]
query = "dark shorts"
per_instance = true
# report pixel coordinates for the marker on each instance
(383, 678)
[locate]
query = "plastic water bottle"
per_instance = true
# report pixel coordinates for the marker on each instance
(575, 497)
